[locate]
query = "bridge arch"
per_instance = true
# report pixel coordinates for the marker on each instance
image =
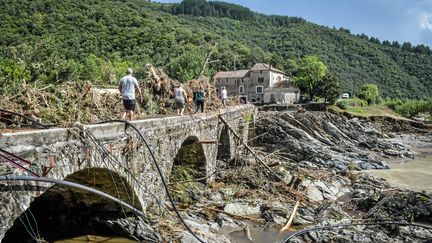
(191, 156)
(65, 212)
(224, 144)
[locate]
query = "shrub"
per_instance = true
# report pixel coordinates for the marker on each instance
(428, 106)
(342, 104)
(392, 104)
(410, 108)
(379, 100)
(357, 102)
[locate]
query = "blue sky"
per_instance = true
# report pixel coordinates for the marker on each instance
(400, 20)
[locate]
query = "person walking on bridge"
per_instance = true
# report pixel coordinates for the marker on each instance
(127, 87)
(224, 96)
(200, 99)
(180, 99)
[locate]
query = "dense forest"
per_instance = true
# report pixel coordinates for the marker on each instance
(52, 41)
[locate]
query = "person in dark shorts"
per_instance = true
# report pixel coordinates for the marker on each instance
(200, 99)
(127, 87)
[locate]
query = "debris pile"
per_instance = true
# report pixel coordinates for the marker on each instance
(81, 101)
(62, 104)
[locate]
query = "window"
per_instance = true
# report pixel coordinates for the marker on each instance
(260, 71)
(241, 89)
(218, 80)
(237, 81)
(242, 80)
(261, 80)
(226, 80)
(259, 89)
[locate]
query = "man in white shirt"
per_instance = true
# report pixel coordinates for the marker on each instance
(127, 87)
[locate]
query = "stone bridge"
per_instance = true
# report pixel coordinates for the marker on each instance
(98, 155)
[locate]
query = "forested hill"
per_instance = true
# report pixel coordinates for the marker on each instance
(63, 40)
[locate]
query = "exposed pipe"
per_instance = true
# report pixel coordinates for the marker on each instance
(15, 163)
(27, 118)
(71, 184)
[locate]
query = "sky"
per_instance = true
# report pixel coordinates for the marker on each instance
(393, 20)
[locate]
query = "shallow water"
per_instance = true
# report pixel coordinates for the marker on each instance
(94, 238)
(259, 235)
(415, 175)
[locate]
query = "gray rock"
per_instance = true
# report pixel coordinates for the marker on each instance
(242, 209)
(227, 192)
(226, 222)
(303, 220)
(314, 194)
(392, 152)
(279, 219)
(206, 231)
(216, 197)
(361, 238)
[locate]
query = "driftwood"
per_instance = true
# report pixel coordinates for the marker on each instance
(292, 216)
(206, 61)
(258, 158)
(248, 234)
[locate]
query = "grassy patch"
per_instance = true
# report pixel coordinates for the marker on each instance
(356, 108)
(183, 185)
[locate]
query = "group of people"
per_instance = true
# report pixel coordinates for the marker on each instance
(129, 85)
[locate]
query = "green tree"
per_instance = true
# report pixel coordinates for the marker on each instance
(329, 88)
(369, 93)
(187, 66)
(309, 74)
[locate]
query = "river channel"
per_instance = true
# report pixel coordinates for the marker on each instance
(414, 174)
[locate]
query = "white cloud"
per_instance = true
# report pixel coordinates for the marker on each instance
(425, 20)
(417, 21)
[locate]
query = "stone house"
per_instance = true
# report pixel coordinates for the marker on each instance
(257, 85)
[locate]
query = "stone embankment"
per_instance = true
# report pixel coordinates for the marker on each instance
(328, 140)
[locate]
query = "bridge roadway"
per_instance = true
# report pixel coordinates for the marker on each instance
(61, 153)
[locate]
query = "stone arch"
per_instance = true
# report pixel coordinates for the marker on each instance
(191, 155)
(65, 212)
(224, 145)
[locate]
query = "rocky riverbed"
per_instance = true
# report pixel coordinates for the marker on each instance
(317, 160)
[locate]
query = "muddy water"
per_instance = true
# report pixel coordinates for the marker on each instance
(94, 238)
(259, 235)
(256, 233)
(415, 175)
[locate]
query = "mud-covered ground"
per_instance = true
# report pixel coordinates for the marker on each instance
(320, 157)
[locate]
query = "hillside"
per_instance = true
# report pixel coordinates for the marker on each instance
(55, 41)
